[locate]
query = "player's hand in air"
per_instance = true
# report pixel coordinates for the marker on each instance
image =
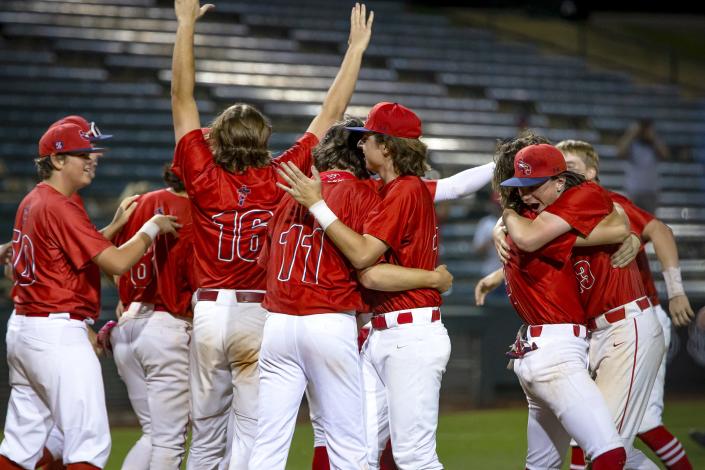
(190, 10)
(167, 224)
(360, 27)
(306, 191)
(445, 279)
(627, 252)
(499, 235)
(486, 285)
(680, 309)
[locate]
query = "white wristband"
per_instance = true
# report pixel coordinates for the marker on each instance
(674, 283)
(150, 229)
(323, 214)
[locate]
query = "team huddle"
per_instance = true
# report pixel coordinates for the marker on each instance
(250, 281)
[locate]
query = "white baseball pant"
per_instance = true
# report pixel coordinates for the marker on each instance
(653, 416)
(402, 369)
(151, 351)
(563, 400)
(224, 380)
(318, 353)
(56, 381)
(624, 359)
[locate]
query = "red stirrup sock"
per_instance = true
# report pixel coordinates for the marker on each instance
(386, 461)
(611, 460)
(82, 466)
(320, 459)
(7, 464)
(667, 447)
(577, 458)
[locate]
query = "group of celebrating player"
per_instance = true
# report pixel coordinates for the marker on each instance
(244, 284)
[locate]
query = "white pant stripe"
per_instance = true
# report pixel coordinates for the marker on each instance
(574, 466)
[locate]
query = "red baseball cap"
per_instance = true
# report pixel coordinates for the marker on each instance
(535, 164)
(66, 138)
(391, 119)
(89, 128)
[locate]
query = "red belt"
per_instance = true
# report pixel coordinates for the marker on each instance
(535, 331)
(619, 313)
(72, 316)
(241, 296)
(379, 322)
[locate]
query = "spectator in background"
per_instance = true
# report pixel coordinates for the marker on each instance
(642, 149)
(482, 242)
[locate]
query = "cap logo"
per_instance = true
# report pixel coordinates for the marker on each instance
(85, 135)
(524, 167)
(59, 145)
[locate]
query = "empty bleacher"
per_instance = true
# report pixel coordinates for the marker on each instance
(110, 61)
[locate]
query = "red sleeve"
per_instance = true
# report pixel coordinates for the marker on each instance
(299, 154)
(560, 248)
(191, 158)
(387, 222)
(431, 185)
(583, 207)
(638, 217)
(77, 235)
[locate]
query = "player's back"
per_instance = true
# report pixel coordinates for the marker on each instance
(163, 275)
(406, 222)
(603, 287)
(307, 274)
(231, 211)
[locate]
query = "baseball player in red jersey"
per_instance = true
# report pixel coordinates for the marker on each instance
(151, 342)
(614, 299)
(230, 179)
(582, 158)
(54, 373)
(550, 357)
(310, 336)
(408, 349)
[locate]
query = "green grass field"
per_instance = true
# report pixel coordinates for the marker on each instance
(482, 439)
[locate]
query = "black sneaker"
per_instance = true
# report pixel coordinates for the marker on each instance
(698, 436)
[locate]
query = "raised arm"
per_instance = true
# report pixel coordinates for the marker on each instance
(183, 69)
(667, 253)
(340, 92)
(612, 229)
(392, 278)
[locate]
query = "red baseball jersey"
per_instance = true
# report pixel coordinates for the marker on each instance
(406, 221)
(602, 287)
(544, 288)
(431, 185)
(163, 275)
(639, 218)
(306, 273)
(231, 210)
(53, 245)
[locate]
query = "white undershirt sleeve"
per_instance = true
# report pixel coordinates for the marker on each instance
(464, 183)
